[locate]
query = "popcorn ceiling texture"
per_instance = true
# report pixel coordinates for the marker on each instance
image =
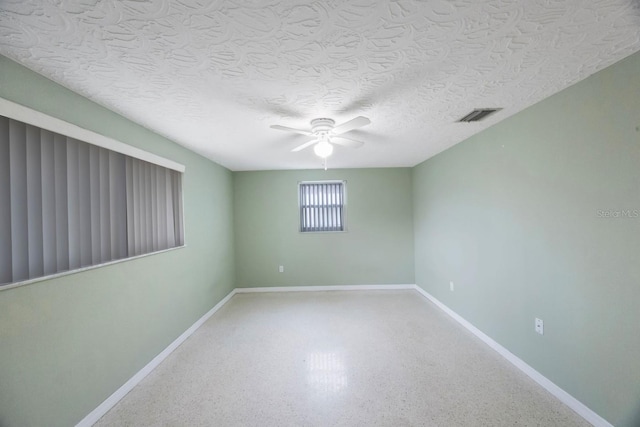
(213, 75)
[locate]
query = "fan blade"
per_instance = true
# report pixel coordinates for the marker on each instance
(288, 129)
(305, 145)
(350, 125)
(347, 142)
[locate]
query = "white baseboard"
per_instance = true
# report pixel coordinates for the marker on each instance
(573, 403)
(324, 288)
(112, 400)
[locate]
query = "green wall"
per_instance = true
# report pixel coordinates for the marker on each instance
(516, 217)
(66, 344)
(376, 249)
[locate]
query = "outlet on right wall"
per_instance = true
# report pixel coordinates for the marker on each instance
(539, 217)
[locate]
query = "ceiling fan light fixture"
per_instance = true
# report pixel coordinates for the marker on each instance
(324, 133)
(323, 149)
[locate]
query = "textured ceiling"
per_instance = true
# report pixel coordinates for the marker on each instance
(213, 75)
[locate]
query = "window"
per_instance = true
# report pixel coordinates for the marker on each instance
(322, 206)
(66, 204)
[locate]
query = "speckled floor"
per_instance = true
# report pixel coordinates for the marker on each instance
(363, 358)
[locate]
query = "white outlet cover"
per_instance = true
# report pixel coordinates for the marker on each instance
(539, 326)
(451, 286)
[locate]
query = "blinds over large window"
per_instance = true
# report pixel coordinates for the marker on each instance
(67, 204)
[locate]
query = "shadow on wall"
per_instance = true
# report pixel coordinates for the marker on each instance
(633, 419)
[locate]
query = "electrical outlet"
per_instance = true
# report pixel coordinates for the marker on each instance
(281, 269)
(451, 286)
(539, 326)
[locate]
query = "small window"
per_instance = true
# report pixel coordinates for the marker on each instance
(322, 206)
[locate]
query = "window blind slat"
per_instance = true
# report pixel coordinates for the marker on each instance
(327, 225)
(303, 204)
(73, 196)
(336, 203)
(323, 207)
(143, 207)
(180, 208)
(48, 175)
(141, 241)
(171, 236)
(161, 208)
(135, 219)
(61, 202)
(154, 207)
(312, 208)
(320, 207)
(322, 190)
(105, 207)
(89, 202)
(332, 200)
(316, 207)
(339, 204)
(148, 200)
(309, 206)
(306, 208)
(19, 222)
(6, 268)
(118, 205)
(34, 201)
(130, 206)
(93, 173)
(139, 206)
(327, 207)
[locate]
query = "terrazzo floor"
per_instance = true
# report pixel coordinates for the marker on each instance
(341, 358)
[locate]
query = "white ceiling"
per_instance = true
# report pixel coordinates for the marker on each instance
(213, 75)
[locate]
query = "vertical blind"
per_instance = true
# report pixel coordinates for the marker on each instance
(66, 204)
(321, 206)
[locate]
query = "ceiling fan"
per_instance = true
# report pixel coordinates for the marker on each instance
(324, 133)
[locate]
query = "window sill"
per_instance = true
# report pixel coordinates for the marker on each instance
(322, 232)
(80, 270)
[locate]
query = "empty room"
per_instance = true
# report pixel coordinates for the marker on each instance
(340, 213)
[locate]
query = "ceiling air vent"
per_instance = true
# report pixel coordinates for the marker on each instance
(478, 114)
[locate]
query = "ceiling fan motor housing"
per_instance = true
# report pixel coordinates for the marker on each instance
(322, 126)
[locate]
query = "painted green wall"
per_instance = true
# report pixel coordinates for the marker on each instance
(515, 218)
(67, 344)
(376, 249)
